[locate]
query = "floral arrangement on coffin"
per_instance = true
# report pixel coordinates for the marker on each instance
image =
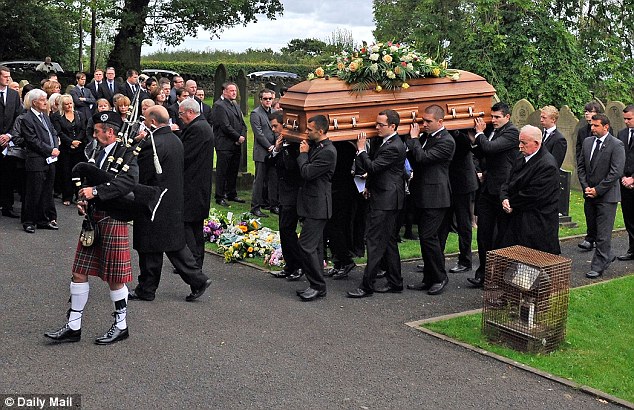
(240, 237)
(382, 66)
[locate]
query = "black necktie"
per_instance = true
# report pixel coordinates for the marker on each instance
(631, 138)
(545, 136)
(595, 152)
(2, 97)
(100, 157)
(111, 88)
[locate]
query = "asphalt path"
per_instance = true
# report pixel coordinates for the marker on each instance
(250, 343)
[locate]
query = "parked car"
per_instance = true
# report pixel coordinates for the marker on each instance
(266, 75)
(28, 65)
(158, 73)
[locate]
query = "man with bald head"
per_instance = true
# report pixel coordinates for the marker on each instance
(166, 233)
(530, 197)
(205, 110)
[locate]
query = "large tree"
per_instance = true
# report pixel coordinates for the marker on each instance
(142, 21)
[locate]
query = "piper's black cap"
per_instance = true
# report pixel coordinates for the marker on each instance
(108, 117)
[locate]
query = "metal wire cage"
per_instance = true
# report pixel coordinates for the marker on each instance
(526, 298)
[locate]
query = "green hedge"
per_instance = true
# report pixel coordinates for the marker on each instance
(209, 69)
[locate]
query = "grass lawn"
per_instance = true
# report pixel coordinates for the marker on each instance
(598, 348)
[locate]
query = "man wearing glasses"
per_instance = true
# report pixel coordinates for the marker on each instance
(179, 84)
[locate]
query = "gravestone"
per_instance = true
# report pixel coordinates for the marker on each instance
(521, 111)
(534, 119)
(567, 125)
(243, 98)
(219, 79)
(614, 111)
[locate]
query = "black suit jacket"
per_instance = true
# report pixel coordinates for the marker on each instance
(198, 148)
(499, 154)
(229, 125)
(462, 173)
(172, 110)
(288, 173)
(94, 89)
(628, 169)
(69, 131)
(314, 199)
(430, 186)
(385, 174)
(605, 173)
(83, 105)
(37, 141)
(557, 145)
(104, 90)
(166, 232)
(9, 111)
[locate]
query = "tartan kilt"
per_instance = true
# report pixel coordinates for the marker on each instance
(109, 257)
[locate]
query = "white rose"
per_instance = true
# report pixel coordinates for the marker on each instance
(429, 61)
(410, 66)
(393, 48)
(374, 67)
(390, 74)
(374, 48)
(374, 57)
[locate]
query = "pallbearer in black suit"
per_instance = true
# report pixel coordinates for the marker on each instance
(626, 136)
(285, 155)
(198, 147)
(10, 109)
(552, 139)
(497, 152)
(600, 169)
(386, 190)
(430, 155)
(316, 161)
(530, 197)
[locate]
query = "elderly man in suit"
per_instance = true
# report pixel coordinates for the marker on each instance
(316, 162)
(530, 197)
(430, 157)
(497, 152)
(386, 191)
(600, 169)
(166, 233)
(198, 147)
(42, 147)
(626, 136)
(82, 97)
(230, 131)
(263, 144)
(552, 139)
(10, 109)
(110, 87)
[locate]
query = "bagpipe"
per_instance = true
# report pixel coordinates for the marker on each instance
(143, 199)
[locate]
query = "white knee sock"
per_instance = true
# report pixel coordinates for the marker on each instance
(120, 299)
(78, 299)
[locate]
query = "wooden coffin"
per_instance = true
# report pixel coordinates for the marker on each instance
(350, 113)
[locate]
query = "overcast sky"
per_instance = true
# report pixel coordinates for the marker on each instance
(301, 19)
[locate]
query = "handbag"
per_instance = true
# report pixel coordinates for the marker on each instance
(15, 151)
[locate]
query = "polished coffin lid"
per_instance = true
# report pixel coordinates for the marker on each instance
(349, 112)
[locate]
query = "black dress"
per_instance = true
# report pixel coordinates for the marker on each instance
(69, 131)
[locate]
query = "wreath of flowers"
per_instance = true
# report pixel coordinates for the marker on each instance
(382, 66)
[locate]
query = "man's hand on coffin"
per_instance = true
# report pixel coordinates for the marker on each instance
(304, 147)
(361, 139)
(480, 125)
(414, 130)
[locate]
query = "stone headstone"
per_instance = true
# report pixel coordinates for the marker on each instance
(219, 78)
(614, 111)
(534, 119)
(568, 125)
(243, 98)
(521, 111)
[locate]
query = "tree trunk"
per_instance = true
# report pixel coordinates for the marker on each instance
(126, 53)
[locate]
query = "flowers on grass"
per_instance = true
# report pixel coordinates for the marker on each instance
(240, 237)
(382, 66)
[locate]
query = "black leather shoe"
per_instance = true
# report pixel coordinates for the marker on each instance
(50, 225)
(112, 336)
(65, 335)
(459, 269)
(388, 289)
(593, 274)
(627, 257)
(476, 282)
(133, 295)
(438, 288)
(312, 294)
(358, 293)
(198, 292)
(300, 291)
(257, 212)
(222, 202)
(420, 268)
(29, 228)
(331, 272)
(237, 199)
(344, 271)
(275, 210)
(9, 213)
(281, 273)
(381, 274)
(419, 286)
(586, 246)
(295, 275)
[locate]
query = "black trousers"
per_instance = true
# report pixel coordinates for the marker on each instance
(600, 215)
(265, 178)
(65, 167)
(39, 207)
(489, 213)
(195, 241)
(339, 228)
(288, 237)
(627, 207)
(311, 246)
(382, 246)
(227, 166)
(460, 213)
(429, 223)
(151, 265)
(9, 180)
